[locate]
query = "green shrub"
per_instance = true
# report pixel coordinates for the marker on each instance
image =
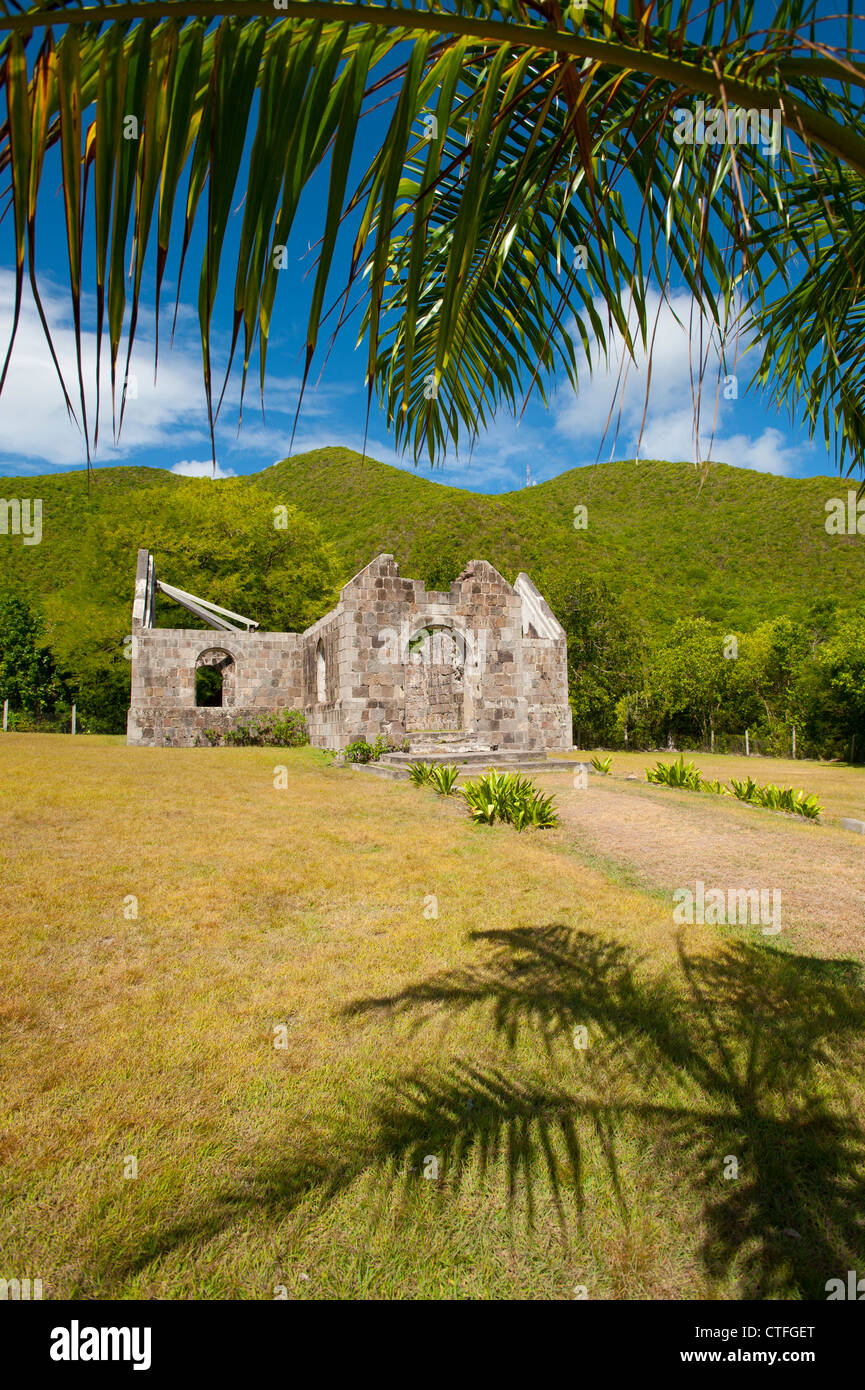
(485, 798)
(536, 809)
(602, 765)
(744, 790)
(444, 778)
(362, 752)
(509, 797)
(773, 798)
(286, 730)
(807, 806)
(358, 752)
(677, 774)
(681, 774)
(420, 773)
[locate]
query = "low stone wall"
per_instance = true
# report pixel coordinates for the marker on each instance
(171, 727)
(325, 726)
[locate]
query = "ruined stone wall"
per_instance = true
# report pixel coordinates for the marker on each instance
(324, 720)
(471, 674)
(266, 676)
(364, 673)
(493, 664)
(435, 682)
(545, 666)
(484, 602)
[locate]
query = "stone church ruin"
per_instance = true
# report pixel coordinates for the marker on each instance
(483, 665)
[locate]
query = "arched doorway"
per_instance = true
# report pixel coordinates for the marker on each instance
(214, 679)
(435, 680)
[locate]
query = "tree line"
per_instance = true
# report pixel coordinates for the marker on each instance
(699, 683)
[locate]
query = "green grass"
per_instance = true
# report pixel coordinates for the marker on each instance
(408, 1033)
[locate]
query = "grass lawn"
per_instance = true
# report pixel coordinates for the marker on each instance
(658, 838)
(169, 916)
(839, 786)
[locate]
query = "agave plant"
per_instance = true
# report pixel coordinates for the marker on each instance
(677, 774)
(805, 805)
(420, 773)
(510, 797)
(744, 790)
(769, 796)
(715, 786)
(443, 778)
(542, 812)
(602, 765)
(484, 799)
(775, 798)
(491, 217)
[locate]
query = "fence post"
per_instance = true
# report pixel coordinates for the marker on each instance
(74, 709)
(5, 715)
(747, 745)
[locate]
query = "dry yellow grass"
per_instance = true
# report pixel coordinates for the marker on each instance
(661, 838)
(839, 786)
(145, 1030)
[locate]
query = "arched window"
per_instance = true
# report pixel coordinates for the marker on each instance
(214, 679)
(320, 674)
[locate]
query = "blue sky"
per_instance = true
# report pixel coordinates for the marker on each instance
(166, 422)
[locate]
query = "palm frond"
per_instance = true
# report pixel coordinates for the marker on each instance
(474, 288)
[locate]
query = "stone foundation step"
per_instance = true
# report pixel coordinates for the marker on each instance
(443, 736)
(440, 755)
(397, 764)
(475, 757)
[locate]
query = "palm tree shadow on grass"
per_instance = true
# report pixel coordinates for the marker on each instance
(759, 1038)
(745, 1050)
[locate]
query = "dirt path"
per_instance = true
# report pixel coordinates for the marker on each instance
(663, 840)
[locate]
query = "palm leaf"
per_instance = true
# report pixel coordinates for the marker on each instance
(464, 248)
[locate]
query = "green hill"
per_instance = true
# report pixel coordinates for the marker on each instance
(742, 547)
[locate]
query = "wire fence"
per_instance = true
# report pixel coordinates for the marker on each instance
(785, 743)
(65, 721)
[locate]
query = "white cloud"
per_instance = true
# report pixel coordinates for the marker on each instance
(201, 468)
(167, 416)
(34, 423)
(165, 422)
(617, 391)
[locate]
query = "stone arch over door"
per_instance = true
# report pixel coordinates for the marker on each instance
(435, 680)
(221, 664)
